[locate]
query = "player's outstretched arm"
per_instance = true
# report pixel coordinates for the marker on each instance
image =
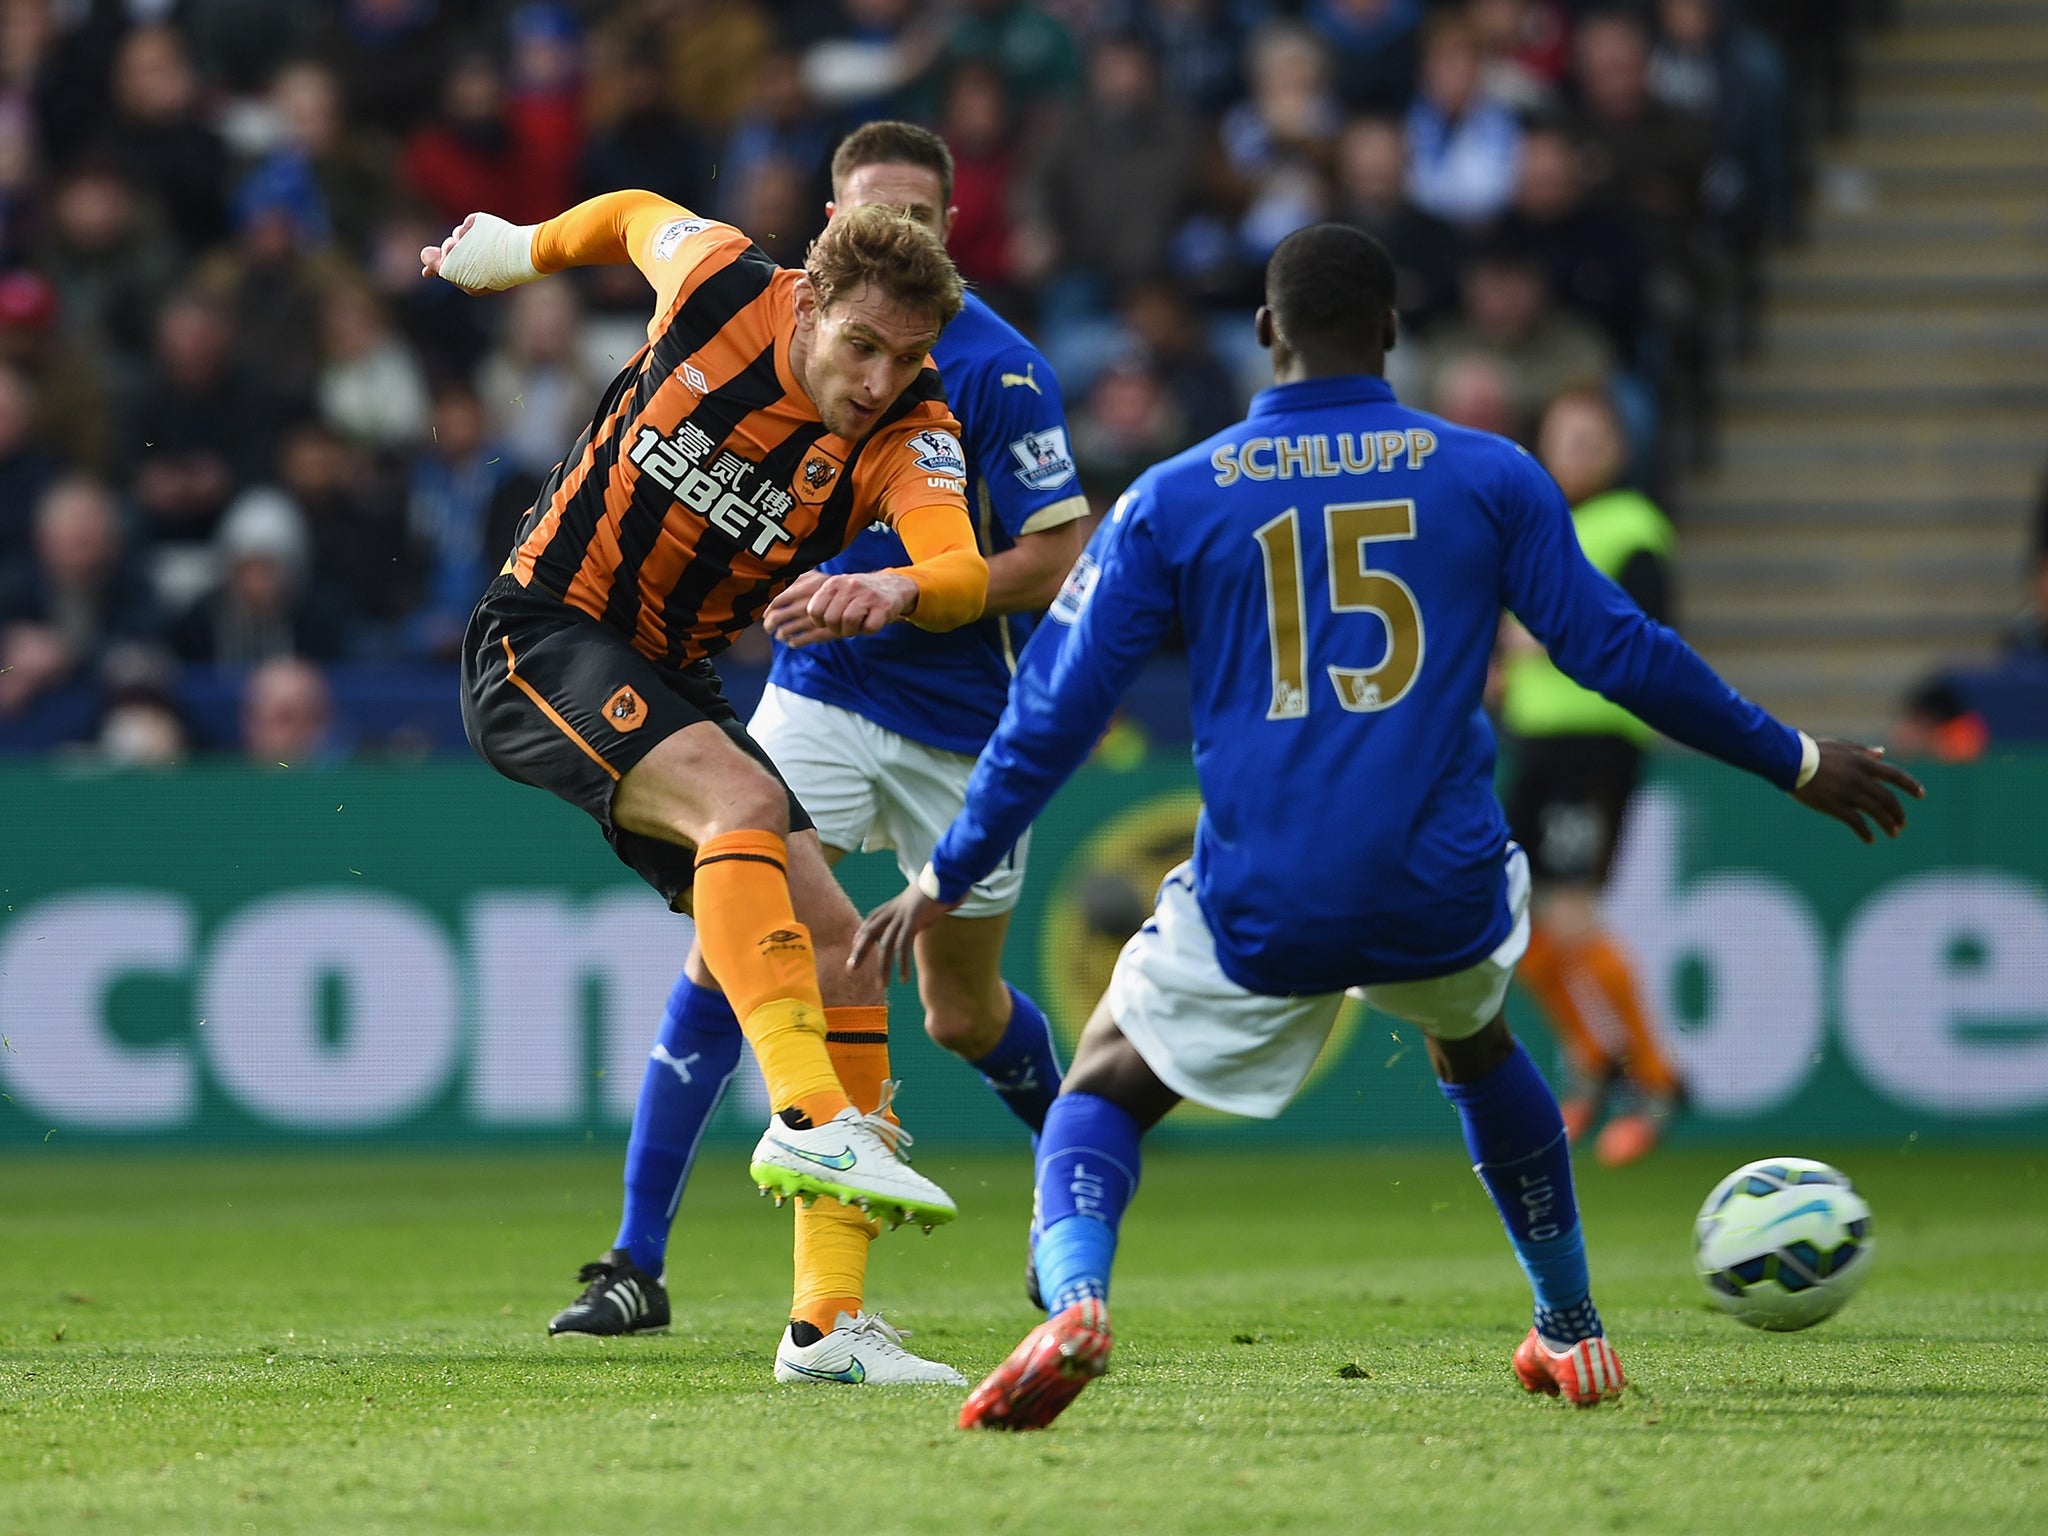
(486, 254)
(1600, 639)
(1851, 782)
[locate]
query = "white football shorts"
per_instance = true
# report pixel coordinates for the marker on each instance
(869, 789)
(1246, 1053)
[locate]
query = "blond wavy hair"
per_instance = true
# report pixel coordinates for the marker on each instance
(886, 247)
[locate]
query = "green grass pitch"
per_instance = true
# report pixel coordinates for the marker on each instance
(1306, 1342)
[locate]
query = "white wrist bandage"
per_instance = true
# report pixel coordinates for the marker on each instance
(1809, 761)
(928, 882)
(495, 254)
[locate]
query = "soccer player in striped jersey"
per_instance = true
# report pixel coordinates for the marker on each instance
(876, 735)
(1338, 564)
(770, 418)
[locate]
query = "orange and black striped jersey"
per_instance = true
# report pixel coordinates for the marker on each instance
(706, 482)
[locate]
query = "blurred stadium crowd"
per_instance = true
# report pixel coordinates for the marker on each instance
(254, 471)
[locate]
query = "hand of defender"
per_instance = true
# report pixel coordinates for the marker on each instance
(817, 607)
(892, 929)
(1853, 782)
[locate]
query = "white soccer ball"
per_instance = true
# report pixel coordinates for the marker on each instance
(1783, 1242)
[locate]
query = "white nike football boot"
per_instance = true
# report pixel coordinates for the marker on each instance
(855, 1158)
(862, 1350)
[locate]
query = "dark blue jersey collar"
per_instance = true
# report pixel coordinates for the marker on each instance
(1339, 389)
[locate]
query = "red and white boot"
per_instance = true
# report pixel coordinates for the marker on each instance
(1584, 1375)
(1043, 1374)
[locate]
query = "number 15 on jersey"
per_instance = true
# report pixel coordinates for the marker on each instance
(1350, 528)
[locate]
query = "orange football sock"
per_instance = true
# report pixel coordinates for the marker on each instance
(831, 1263)
(857, 1039)
(1604, 962)
(832, 1239)
(762, 959)
(1543, 971)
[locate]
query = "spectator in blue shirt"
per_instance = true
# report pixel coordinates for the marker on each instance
(1464, 149)
(466, 500)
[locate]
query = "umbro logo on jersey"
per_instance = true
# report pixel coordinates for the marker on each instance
(783, 940)
(839, 1162)
(693, 376)
(623, 711)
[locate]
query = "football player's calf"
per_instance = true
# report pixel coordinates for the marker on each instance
(1516, 1138)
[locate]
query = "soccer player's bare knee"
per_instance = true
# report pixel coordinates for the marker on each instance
(696, 785)
(965, 1031)
(1467, 1058)
(960, 983)
(750, 799)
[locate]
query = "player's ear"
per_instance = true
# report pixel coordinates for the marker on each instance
(831, 210)
(946, 225)
(804, 297)
(1392, 333)
(1262, 327)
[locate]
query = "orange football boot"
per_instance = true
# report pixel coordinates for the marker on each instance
(1583, 1375)
(1624, 1139)
(1043, 1374)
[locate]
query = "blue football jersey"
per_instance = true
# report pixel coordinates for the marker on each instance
(947, 690)
(1338, 564)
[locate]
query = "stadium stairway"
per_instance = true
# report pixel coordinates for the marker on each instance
(1866, 517)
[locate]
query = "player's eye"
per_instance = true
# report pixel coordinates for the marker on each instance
(862, 349)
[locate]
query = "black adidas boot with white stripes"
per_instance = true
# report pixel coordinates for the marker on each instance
(618, 1297)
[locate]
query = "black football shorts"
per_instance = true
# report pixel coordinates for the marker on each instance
(1566, 802)
(555, 699)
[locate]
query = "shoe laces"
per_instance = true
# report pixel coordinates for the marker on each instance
(597, 1276)
(883, 1334)
(889, 1132)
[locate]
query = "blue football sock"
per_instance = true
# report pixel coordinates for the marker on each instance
(1022, 1069)
(1086, 1177)
(693, 1059)
(1516, 1137)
